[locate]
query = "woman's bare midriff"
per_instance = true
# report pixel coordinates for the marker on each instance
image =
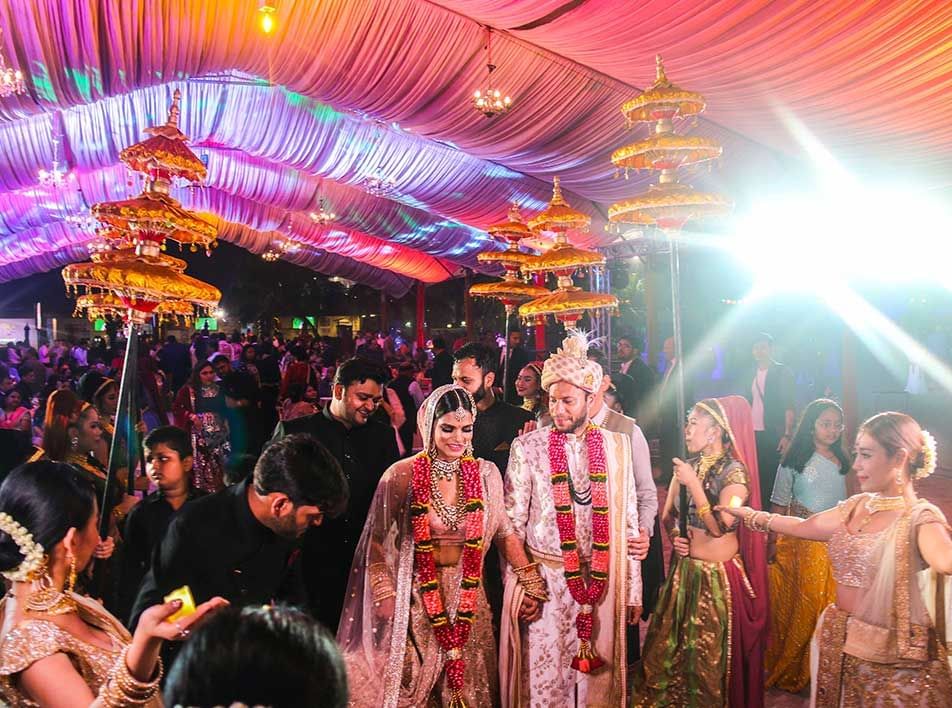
(713, 549)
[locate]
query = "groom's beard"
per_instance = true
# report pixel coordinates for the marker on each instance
(576, 425)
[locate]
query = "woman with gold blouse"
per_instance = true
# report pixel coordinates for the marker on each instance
(58, 648)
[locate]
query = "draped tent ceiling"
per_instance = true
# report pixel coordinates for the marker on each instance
(346, 91)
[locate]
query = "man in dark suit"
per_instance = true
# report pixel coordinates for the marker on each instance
(770, 388)
(364, 448)
(630, 364)
(441, 373)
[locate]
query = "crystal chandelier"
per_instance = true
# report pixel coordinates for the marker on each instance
(11, 82)
(287, 247)
(380, 185)
(490, 101)
(323, 215)
(58, 176)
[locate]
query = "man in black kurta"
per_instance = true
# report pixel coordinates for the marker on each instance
(242, 543)
(365, 449)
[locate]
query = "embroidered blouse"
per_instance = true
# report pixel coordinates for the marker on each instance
(725, 472)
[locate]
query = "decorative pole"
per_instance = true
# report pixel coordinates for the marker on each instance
(667, 205)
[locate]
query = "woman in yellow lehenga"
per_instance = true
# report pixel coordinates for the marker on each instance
(811, 479)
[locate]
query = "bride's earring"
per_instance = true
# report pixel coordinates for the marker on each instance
(900, 482)
(74, 443)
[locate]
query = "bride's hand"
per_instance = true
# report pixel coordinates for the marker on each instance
(383, 609)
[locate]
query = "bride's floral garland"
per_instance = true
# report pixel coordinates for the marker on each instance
(587, 659)
(451, 636)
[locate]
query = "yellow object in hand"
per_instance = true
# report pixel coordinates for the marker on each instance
(184, 594)
(734, 502)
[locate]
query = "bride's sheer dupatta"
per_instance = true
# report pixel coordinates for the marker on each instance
(373, 637)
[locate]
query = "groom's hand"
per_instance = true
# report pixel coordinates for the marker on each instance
(638, 546)
(530, 610)
(634, 614)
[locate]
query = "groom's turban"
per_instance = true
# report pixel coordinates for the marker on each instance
(572, 365)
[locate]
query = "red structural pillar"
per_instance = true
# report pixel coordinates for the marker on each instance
(421, 315)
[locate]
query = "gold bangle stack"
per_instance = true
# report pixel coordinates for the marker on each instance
(123, 690)
(531, 581)
(380, 584)
(759, 521)
(706, 509)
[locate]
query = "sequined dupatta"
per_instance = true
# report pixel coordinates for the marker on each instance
(894, 619)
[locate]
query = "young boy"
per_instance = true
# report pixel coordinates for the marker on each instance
(168, 454)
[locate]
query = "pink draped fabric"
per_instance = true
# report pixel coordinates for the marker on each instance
(749, 614)
(348, 89)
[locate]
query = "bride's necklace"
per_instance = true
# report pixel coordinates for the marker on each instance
(441, 469)
(452, 516)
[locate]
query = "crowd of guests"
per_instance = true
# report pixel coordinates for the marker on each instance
(277, 481)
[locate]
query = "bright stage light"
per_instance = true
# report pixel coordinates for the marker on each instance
(811, 241)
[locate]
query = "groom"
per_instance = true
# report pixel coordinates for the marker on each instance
(570, 496)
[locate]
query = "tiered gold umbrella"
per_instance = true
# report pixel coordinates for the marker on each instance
(127, 275)
(512, 289)
(668, 205)
(155, 215)
(126, 265)
(140, 283)
(568, 303)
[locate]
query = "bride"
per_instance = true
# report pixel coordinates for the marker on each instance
(416, 628)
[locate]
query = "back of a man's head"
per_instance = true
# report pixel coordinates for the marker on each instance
(482, 356)
(303, 469)
(269, 656)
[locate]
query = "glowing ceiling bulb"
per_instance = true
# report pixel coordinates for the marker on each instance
(267, 17)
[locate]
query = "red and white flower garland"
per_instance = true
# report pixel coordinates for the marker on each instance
(451, 636)
(587, 659)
